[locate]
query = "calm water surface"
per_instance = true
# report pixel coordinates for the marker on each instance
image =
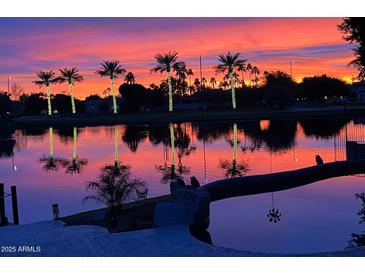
(316, 217)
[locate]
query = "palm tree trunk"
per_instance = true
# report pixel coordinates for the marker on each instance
(51, 145)
(49, 100)
(114, 99)
(116, 150)
(233, 91)
(172, 140)
(74, 152)
(170, 91)
(72, 99)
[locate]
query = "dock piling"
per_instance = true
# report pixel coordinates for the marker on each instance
(3, 220)
(14, 200)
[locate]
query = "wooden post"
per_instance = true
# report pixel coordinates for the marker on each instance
(2, 206)
(14, 201)
(56, 212)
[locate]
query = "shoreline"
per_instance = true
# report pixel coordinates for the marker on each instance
(179, 116)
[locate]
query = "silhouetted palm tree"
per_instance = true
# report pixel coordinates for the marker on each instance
(223, 85)
(204, 82)
(213, 82)
(242, 68)
(255, 70)
(228, 63)
(190, 73)
(46, 79)
(167, 62)
(197, 84)
(249, 68)
(71, 76)
(113, 187)
(356, 238)
(130, 79)
(181, 72)
(111, 69)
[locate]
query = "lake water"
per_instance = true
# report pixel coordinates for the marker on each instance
(316, 217)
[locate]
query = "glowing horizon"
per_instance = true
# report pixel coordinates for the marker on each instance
(28, 45)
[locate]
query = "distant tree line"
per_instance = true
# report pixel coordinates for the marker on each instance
(278, 90)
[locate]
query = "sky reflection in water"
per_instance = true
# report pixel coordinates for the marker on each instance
(315, 217)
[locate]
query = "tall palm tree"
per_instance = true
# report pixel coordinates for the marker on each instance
(190, 73)
(111, 69)
(167, 62)
(203, 82)
(255, 70)
(197, 84)
(181, 72)
(242, 68)
(46, 79)
(71, 76)
(249, 68)
(228, 63)
(213, 82)
(130, 79)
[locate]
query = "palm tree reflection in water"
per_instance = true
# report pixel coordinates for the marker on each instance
(234, 168)
(76, 164)
(50, 163)
(169, 172)
(274, 215)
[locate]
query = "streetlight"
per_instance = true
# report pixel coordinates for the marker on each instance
(291, 68)
(9, 84)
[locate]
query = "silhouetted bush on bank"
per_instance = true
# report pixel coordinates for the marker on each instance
(317, 88)
(6, 105)
(34, 103)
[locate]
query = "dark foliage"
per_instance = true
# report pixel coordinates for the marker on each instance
(6, 105)
(136, 95)
(354, 30)
(359, 239)
(61, 102)
(93, 97)
(34, 103)
(279, 89)
(317, 87)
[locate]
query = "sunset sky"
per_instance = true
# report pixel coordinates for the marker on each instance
(28, 45)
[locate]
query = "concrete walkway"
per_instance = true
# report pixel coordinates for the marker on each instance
(55, 239)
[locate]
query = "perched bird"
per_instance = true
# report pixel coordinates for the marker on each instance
(194, 182)
(319, 160)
